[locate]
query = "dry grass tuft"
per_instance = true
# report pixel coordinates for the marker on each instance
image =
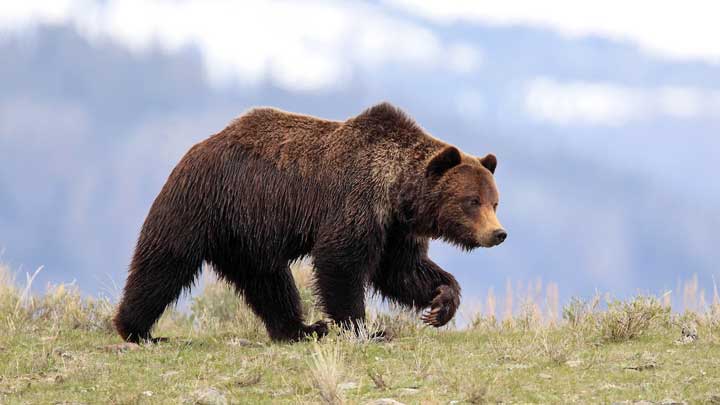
(62, 306)
(581, 317)
(366, 332)
(327, 370)
(625, 320)
(395, 321)
(557, 348)
(477, 394)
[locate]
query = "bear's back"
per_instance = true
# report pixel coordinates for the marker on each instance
(286, 140)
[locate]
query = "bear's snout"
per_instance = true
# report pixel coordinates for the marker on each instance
(488, 230)
(492, 238)
(499, 236)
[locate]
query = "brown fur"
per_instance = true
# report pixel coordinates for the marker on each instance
(362, 197)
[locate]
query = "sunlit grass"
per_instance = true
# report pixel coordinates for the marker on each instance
(59, 347)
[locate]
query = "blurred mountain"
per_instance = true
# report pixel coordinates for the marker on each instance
(89, 130)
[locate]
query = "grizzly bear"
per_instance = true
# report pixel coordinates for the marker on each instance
(362, 198)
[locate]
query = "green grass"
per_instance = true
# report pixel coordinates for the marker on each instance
(60, 348)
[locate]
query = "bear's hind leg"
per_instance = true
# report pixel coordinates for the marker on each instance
(155, 281)
(273, 296)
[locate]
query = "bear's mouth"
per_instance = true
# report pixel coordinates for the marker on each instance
(466, 243)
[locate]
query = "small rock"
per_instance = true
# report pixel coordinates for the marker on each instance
(688, 334)
(690, 331)
(347, 386)
(545, 376)
(385, 401)
(646, 402)
(62, 353)
(169, 374)
(241, 342)
(208, 396)
(408, 391)
(52, 378)
(248, 380)
(147, 393)
(517, 366)
(642, 362)
(642, 367)
(683, 341)
(668, 401)
(121, 347)
(574, 363)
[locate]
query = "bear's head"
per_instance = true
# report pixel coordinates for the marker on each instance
(464, 198)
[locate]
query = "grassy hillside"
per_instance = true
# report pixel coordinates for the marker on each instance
(60, 348)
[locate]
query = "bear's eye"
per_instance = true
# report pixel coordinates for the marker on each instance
(474, 201)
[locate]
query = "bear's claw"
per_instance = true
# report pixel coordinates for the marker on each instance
(437, 317)
(442, 307)
(320, 328)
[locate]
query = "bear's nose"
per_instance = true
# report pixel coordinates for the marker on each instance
(499, 236)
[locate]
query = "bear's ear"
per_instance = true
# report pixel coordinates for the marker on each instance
(489, 162)
(443, 161)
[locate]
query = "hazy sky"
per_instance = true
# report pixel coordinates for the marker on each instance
(604, 115)
(316, 45)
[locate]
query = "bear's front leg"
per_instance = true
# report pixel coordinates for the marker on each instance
(341, 294)
(344, 258)
(408, 277)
